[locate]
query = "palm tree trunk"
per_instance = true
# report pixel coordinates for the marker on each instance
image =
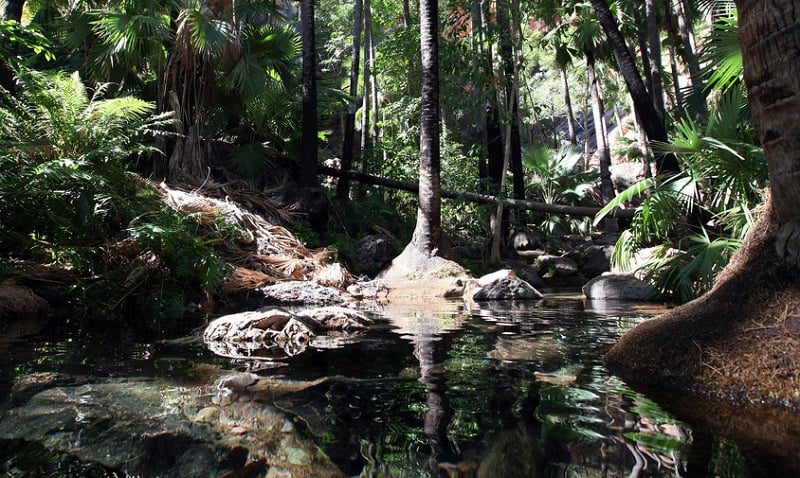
(343, 186)
(686, 34)
(494, 131)
(672, 32)
(653, 126)
(573, 135)
(365, 109)
(641, 27)
(769, 34)
(308, 153)
(13, 10)
(604, 155)
(406, 14)
(512, 99)
(654, 38)
(428, 232)
(373, 80)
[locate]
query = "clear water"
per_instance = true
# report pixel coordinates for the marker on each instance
(434, 390)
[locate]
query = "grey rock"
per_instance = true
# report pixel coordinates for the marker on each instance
(560, 266)
(526, 272)
(501, 285)
(375, 252)
(619, 287)
(299, 293)
(596, 260)
(525, 241)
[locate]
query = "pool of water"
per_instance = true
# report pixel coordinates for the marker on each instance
(433, 390)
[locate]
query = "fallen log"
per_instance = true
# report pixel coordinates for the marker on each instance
(577, 211)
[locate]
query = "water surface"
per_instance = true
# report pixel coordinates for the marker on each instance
(434, 390)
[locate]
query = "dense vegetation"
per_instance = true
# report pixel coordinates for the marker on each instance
(539, 100)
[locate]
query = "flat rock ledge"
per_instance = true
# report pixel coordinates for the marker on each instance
(270, 333)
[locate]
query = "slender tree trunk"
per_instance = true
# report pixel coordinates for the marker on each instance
(343, 186)
(673, 42)
(686, 34)
(644, 51)
(770, 39)
(365, 107)
(653, 126)
(373, 80)
(406, 14)
(512, 99)
(13, 10)
(573, 135)
(654, 38)
(428, 232)
(603, 153)
(494, 130)
(309, 154)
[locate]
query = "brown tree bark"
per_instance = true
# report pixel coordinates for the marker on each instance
(654, 39)
(689, 54)
(573, 135)
(343, 186)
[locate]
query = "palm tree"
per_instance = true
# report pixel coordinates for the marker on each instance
(761, 283)
(343, 187)
(654, 38)
(308, 152)
(642, 101)
(428, 233)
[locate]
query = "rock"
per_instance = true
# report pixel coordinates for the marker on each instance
(596, 260)
(153, 428)
(299, 293)
(264, 334)
(375, 252)
(525, 241)
(619, 287)
(338, 318)
(29, 385)
(606, 239)
(625, 175)
(18, 302)
(559, 266)
(526, 272)
(641, 259)
(500, 285)
(334, 275)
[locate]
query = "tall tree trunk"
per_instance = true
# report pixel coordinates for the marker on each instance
(653, 126)
(770, 40)
(512, 99)
(366, 99)
(373, 80)
(654, 39)
(428, 232)
(689, 54)
(603, 152)
(674, 41)
(494, 130)
(308, 148)
(343, 186)
(13, 10)
(644, 51)
(573, 135)
(406, 14)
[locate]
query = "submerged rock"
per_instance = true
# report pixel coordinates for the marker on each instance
(500, 285)
(270, 333)
(153, 428)
(619, 287)
(299, 293)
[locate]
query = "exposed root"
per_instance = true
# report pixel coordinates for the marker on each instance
(740, 341)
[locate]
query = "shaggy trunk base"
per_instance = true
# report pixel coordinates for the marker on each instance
(740, 341)
(414, 275)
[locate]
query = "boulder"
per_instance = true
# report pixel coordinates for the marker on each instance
(18, 302)
(500, 285)
(559, 266)
(338, 318)
(374, 252)
(526, 272)
(625, 287)
(299, 293)
(596, 260)
(641, 259)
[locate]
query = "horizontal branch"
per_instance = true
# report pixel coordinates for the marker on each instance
(577, 211)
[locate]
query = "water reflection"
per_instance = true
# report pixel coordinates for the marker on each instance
(503, 390)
